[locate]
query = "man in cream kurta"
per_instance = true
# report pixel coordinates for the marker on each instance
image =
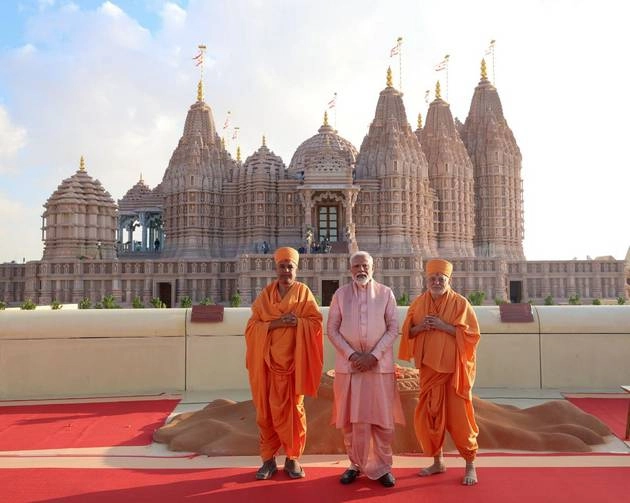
(363, 325)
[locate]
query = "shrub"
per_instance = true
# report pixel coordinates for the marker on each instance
(476, 298)
(549, 301)
(28, 305)
(55, 304)
(235, 300)
(109, 302)
(403, 300)
(574, 300)
(185, 301)
(3, 305)
(499, 301)
(137, 303)
(157, 303)
(597, 302)
(621, 301)
(98, 305)
(84, 303)
(207, 301)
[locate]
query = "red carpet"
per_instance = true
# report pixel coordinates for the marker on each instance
(97, 424)
(505, 485)
(611, 411)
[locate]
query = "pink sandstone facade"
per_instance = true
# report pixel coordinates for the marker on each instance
(208, 229)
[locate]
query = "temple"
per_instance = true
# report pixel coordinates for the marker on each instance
(208, 230)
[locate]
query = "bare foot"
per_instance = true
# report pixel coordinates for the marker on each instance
(470, 476)
(434, 469)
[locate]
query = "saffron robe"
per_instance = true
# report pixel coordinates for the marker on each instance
(447, 366)
(284, 364)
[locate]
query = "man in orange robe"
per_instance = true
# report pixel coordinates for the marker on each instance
(284, 358)
(441, 334)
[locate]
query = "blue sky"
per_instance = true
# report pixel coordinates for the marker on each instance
(113, 80)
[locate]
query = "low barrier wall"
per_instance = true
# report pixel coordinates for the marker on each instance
(46, 353)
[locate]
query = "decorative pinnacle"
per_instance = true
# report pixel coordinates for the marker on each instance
(82, 164)
(484, 72)
(141, 180)
(326, 118)
(419, 121)
(223, 142)
(438, 95)
(200, 91)
(389, 77)
(238, 154)
(264, 141)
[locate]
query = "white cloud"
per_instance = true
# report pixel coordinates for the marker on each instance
(173, 16)
(12, 139)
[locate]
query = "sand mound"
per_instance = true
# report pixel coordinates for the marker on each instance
(225, 427)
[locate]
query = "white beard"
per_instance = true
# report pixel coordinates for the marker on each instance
(362, 281)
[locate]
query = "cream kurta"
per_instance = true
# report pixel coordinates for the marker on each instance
(367, 404)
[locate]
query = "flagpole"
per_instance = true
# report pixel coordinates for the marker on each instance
(399, 41)
(494, 78)
(446, 59)
(335, 111)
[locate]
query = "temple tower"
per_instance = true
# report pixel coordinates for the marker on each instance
(79, 220)
(192, 187)
(395, 207)
(496, 158)
(451, 176)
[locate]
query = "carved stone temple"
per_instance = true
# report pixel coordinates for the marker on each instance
(210, 227)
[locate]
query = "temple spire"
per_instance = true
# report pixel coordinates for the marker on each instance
(389, 77)
(82, 164)
(264, 141)
(484, 72)
(438, 93)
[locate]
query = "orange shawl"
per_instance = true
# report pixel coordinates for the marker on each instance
(455, 310)
(309, 351)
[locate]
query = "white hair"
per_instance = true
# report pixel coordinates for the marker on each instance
(362, 254)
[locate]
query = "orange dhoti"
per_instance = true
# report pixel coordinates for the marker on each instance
(441, 409)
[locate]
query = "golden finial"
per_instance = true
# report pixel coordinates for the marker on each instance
(141, 180)
(389, 76)
(437, 91)
(419, 121)
(238, 154)
(82, 164)
(326, 118)
(264, 141)
(200, 91)
(484, 72)
(223, 142)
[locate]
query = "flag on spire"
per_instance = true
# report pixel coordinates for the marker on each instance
(442, 64)
(235, 133)
(226, 124)
(426, 95)
(396, 49)
(490, 48)
(333, 103)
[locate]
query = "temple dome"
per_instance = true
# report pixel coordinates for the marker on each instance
(80, 219)
(326, 156)
(264, 162)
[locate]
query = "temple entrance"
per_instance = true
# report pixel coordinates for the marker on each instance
(327, 223)
(516, 291)
(165, 292)
(329, 287)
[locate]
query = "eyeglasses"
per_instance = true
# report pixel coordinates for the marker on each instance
(437, 279)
